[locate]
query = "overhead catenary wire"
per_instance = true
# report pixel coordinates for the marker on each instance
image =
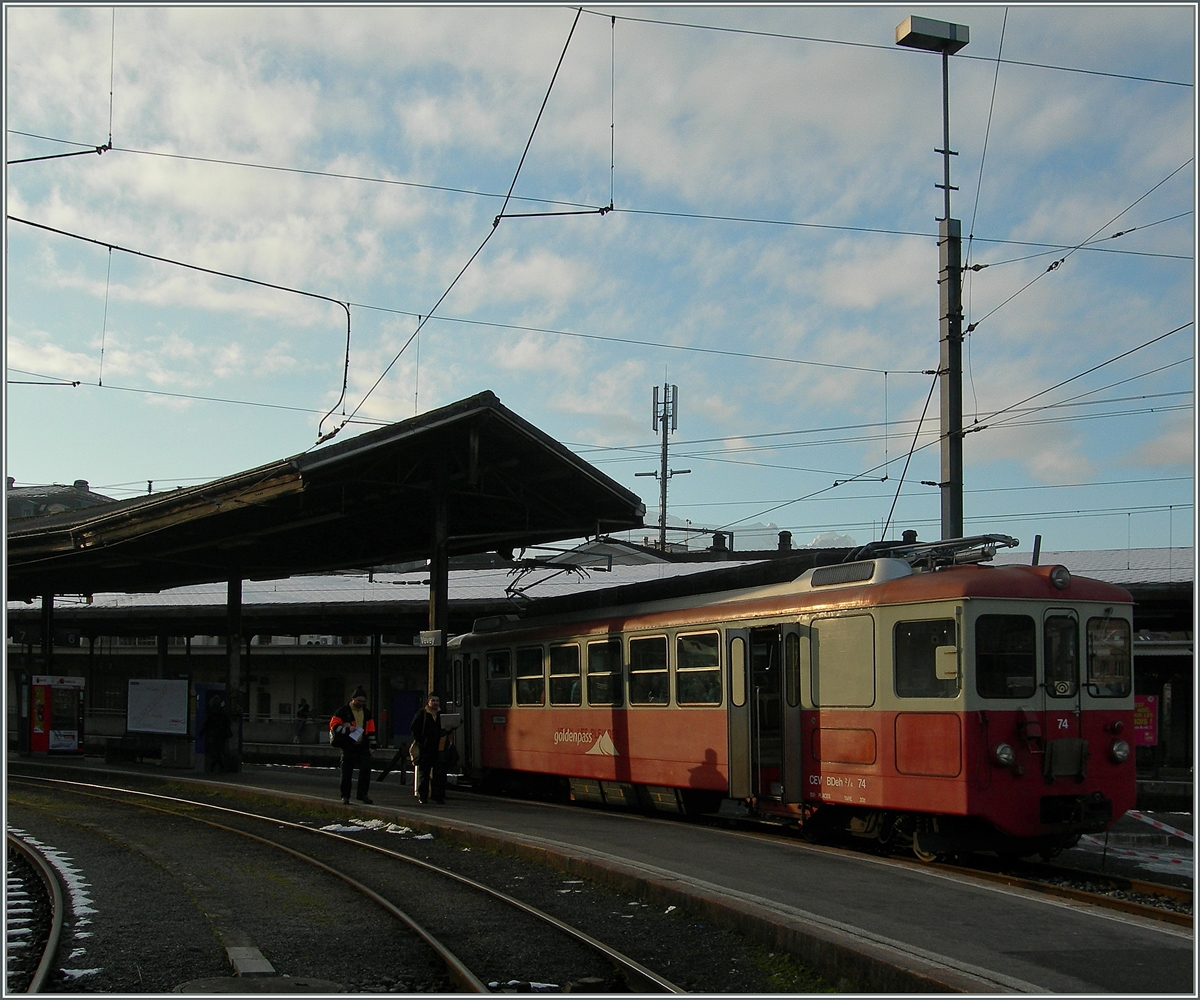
(479, 249)
(104, 324)
(1058, 263)
(424, 318)
(1102, 364)
(646, 343)
(937, 440)
(884, 48)
(650, 447)
(908, 459)
(112, 67)
(1087, 246)
(185, 395)
(334, 175)
(212, 271)
(975, 210)
(989, 490)
(600, 209)
(612, 113)
(596, 209)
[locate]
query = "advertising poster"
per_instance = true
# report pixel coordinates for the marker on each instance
(1145, 720)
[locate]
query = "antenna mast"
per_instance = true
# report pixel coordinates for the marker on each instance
(666, 414)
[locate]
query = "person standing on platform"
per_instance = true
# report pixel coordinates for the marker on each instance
(215, 731)
(302, 714)
(352, 729)
(427, 734)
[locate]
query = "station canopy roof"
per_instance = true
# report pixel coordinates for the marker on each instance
(367, 501)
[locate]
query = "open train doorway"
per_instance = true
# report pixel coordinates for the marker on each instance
(766, 716)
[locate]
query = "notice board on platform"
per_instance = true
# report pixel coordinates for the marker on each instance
(157, 706)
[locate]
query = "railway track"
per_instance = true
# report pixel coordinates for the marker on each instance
(1153, 900)
(33, 918)
(1115, 895)
(550, 932)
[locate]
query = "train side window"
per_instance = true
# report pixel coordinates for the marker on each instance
(649, 681)
(1060, 646)
(1108, 658)
(915, 645)
(475, 685)
(564, 675)
(604, 672)
(1005, 664)
(499, 678)
(531, 676)
(791, 666)
(737, 671)
(843, 661)
(698, 669)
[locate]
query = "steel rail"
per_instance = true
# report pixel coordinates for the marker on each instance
(1098, 899)
(1116, 881)
(54, 888)
(460, 975)
(636, 975)
(1082, 895)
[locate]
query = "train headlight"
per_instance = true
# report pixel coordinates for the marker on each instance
(1060, 577)
(1119, 751)
(1004, 755)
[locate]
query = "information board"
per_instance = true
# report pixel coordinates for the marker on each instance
(157, 706)
(1145, 720)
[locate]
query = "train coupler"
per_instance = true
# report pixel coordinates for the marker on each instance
(1077, 813)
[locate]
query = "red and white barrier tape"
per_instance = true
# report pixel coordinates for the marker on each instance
(1140, 855)
(1160, 826)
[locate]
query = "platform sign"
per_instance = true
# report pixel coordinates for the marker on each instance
(1145, 720)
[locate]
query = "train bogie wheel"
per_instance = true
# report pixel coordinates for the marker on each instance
(925, 857)
(922, 855)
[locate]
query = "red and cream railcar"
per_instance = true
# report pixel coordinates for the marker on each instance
(951, 708)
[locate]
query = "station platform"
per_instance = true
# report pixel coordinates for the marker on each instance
(879, 926)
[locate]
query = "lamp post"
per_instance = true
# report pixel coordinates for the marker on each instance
(946, 38)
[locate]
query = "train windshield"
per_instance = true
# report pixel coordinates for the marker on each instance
(1060, 642)
(1005, 656)
(1108, 647)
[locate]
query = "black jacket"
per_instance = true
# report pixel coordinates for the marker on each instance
(344, 717)
(426, 732)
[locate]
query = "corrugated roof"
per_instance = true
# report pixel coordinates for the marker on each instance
(1124, 567)
(352, 588)
(497, 481)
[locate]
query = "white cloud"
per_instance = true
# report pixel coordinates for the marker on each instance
(1174, 444)
(705, 123)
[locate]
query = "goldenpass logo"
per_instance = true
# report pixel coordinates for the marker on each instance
(573, 736)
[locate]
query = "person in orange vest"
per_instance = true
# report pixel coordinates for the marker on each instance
(352, 728)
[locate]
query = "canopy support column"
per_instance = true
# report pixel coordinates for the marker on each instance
(439, 592)
(233, 673)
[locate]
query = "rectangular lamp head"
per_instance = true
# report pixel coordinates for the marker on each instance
(933, 36)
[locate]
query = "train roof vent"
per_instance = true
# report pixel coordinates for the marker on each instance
(493, 623)
(834, 576)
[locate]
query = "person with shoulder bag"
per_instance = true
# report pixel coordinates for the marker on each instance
(429, 779)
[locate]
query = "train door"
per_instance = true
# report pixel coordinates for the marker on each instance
(793, 780)
(1060, 674)
(766, 715)
(738, 646)
(460, 694)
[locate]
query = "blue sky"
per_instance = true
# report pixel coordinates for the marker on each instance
(770, 250)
